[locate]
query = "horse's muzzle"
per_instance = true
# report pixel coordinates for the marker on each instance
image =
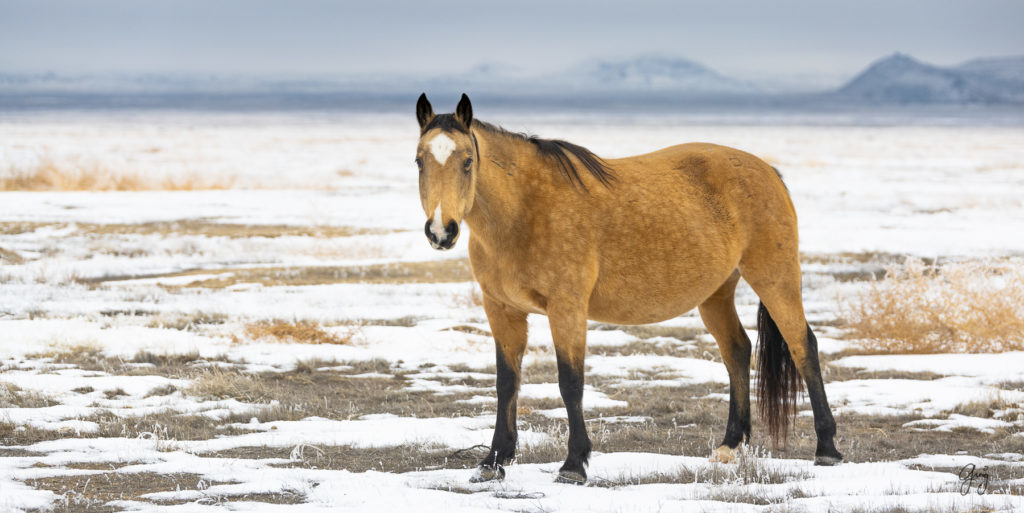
(451, 233)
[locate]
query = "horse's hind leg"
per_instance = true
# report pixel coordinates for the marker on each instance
(775, 277)
(509, 329)
(719, 315)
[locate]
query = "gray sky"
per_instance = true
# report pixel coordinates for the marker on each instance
(745, 39)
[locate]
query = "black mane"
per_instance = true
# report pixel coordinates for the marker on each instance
(559, 151)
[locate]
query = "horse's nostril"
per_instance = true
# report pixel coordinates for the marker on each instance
(430, 234)
(451, 230)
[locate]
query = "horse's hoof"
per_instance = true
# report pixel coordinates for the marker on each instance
(571, 477)
(723, 455)
(827, 461)
(486, 473)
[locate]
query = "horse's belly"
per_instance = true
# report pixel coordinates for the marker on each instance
(647, 301)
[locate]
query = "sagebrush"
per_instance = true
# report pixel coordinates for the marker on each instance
(963, 307)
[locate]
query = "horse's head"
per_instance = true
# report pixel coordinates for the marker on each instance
(448, 162)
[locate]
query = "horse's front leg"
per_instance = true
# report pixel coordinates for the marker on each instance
(569, 330)
(509, 329)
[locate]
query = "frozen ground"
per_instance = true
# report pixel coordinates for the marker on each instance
(146, 361)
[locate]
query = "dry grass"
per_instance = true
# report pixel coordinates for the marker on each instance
(472, 297)
(9, 257)
(214, 383)
(301, 332)
(51, 175)
(12, 396)
(92, 492)
(396, 272)
(966, 307)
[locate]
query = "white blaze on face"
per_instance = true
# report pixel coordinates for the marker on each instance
(437, 226)
(442, 147)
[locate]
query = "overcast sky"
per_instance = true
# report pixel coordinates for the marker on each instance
(745, 39)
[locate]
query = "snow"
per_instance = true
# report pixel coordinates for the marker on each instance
(949, 191)
(957, 421)
(371, 431)
(990, 368)
(902, 396)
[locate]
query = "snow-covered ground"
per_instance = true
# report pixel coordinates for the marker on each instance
(334, 198)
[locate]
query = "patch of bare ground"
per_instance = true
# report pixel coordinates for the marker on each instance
(863, 438)
(181, 321)
(448, 271)
(645, 331)
(832, 373)
(144, 363)
(848, 266)
(402, 458)
(203, 227)
(93, 492)
(987, 408)
(696, 349)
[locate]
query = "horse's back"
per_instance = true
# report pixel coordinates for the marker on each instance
(713, 187)
(679, 221)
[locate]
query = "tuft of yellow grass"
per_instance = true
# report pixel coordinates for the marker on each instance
(962, 307)
(50, 175)
(471, 298)
(303, 332)
(214, 383)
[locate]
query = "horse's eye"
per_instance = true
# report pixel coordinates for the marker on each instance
(419, 164)
(468, 165)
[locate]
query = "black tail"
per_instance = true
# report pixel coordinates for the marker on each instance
(778, 380)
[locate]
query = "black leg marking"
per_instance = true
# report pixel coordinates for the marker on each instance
(737, 427)
(503, 445)
(824, 423)
(570, 384)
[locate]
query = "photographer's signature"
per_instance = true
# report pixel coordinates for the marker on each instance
(972, 478)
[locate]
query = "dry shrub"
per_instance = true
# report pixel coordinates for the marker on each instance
(214, 383)
(472, 297)
(302, 332)
(50, 175)
(964, 307)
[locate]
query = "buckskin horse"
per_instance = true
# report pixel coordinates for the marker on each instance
(558, 231)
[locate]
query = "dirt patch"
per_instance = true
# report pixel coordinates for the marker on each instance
(92, 492)
(645, 331)
(402, 458)
(144, 363)
(211, 228)
(445, 271)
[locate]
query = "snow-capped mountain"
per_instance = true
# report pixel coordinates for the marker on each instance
(663, 74)
(901, 79)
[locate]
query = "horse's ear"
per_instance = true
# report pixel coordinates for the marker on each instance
(464, 111)
(424, 112)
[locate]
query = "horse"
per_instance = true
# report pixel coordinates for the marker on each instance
(558, 231)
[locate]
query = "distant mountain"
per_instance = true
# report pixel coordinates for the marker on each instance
(901, 79)
(1006, 72)
(661, 74)
(651, 81)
